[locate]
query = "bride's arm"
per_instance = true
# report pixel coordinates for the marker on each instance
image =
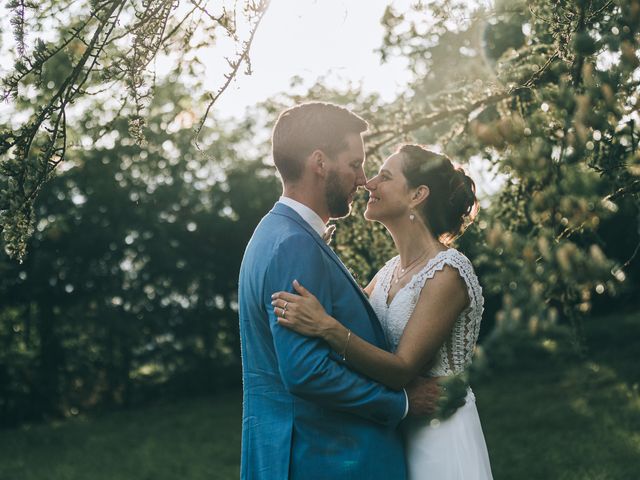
(437, 309)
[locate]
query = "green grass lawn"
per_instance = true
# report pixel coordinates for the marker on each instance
(187, 440)
(576, 420)
(573, 420)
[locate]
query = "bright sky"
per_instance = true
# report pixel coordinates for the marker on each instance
(334, 39)
(310, 38)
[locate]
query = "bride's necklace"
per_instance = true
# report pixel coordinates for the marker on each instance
(400, 272)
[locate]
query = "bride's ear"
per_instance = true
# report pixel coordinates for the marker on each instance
(420, 194)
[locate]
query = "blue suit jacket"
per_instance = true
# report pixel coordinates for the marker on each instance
(306, 415)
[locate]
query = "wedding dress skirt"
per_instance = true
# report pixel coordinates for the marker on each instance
(453, 449)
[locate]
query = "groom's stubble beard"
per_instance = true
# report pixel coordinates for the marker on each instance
(337, 199)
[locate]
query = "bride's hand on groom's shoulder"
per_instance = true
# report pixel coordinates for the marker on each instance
(302, 313)
(437, 397)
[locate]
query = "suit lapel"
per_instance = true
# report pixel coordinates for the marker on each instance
(281, 209)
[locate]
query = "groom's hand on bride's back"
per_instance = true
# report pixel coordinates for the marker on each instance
(437, 397)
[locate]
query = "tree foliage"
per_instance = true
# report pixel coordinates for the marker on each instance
(96, 48)
(130, 282)
(546, 94)
(129, 288)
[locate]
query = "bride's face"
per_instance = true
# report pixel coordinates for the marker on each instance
(389, 195)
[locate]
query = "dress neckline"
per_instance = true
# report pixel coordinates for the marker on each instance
(389, 277)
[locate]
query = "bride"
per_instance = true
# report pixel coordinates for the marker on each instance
(423, 201)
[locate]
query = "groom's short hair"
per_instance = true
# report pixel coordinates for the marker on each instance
(311, 126)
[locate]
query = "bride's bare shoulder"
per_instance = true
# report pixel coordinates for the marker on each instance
(372, 284)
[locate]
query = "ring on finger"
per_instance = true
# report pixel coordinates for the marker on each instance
(284, 308)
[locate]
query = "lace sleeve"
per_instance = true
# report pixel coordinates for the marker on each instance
(456, 353)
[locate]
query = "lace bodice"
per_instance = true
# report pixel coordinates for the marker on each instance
(456, 353)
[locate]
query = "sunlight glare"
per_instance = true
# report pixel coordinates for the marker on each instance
(330, 39)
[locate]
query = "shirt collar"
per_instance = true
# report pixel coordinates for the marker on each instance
(308, 215)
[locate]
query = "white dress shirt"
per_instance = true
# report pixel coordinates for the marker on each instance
(308, 215)
(315, 222)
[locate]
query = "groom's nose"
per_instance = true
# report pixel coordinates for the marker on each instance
(361, 179)
(370, 185)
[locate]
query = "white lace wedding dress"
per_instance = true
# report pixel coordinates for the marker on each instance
(454, 448)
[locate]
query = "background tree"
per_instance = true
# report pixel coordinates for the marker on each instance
(546, 95)
(129, 289)
(67, 51)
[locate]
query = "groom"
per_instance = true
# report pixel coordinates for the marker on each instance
(306, 415)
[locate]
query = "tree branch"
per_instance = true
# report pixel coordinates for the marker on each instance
(243, 56)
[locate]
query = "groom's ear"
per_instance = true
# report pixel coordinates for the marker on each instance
(318, 162)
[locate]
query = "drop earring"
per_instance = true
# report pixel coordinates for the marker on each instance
(412, 216)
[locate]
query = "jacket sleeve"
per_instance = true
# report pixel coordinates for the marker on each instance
(307, 366)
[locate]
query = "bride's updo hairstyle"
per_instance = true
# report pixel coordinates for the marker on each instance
(452, 204)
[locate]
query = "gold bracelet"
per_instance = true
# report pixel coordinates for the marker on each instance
(346, 345)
